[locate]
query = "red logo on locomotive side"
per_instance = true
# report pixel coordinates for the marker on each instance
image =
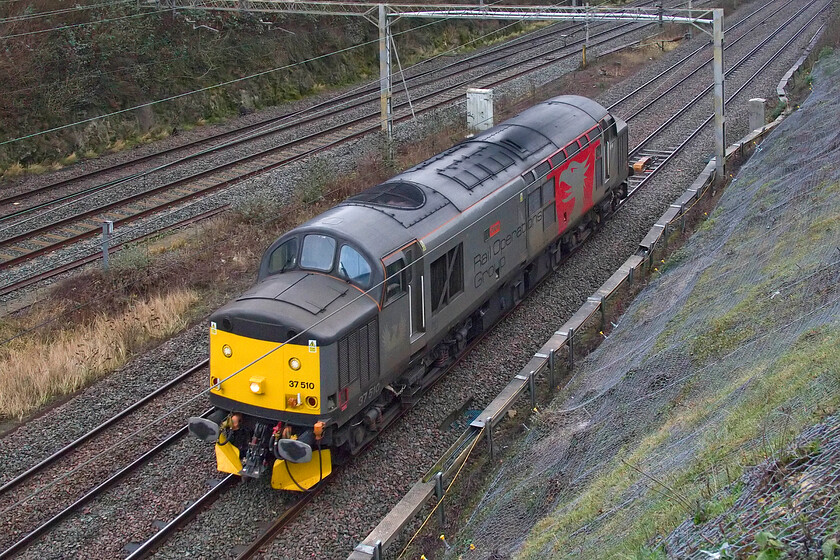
(574, 182)
(495, 228)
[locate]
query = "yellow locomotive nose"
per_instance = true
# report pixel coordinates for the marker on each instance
(265, 374)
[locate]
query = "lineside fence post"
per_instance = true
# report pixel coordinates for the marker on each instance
(532, 387)
(488, 425)
(439, 495)
(571, 342)
(551, 366)
(107, 230)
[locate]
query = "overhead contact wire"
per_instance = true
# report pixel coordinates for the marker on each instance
(267, 128)
(76, 25)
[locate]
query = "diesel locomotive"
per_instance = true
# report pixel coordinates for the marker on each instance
(361, 308)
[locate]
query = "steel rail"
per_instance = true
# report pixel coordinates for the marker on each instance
(96, 491)
(110, 422)
(150, 545)
(282, 521)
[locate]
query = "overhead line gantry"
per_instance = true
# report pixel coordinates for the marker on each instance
(383, 16)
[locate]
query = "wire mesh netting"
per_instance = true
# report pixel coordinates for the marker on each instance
(794, 496)
(719, 364)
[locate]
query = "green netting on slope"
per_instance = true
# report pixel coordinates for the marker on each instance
(717, 364)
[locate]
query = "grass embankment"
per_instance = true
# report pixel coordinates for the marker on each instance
(736, 407)
(741, 439)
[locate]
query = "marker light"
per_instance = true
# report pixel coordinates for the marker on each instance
(227, 351)
(294, 363)
(256, 385)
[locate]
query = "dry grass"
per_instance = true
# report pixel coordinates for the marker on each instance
(117, 146)
(37, 168)
(92, 323)
(35, 370)
(13, 170)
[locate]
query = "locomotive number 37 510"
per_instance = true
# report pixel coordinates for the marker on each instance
(301, 384)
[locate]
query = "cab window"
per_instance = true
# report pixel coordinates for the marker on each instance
(283, 257)
(318, 252)
(353, 266)
(395, 280)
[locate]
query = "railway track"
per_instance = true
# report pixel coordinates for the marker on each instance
(50, 491)
(744, 85)
(59, 233)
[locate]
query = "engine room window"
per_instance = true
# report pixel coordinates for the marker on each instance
(534, 202)
(353, 266)
(447, 277)
(318, 252)
(283, 257)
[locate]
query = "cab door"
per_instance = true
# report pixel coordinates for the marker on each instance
(402, 323)
(417, 294)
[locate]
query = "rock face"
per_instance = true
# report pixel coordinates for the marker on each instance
(718, 364)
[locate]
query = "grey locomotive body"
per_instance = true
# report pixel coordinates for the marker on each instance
(392, 284)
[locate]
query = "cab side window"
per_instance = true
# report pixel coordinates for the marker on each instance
(283, 257)
(395, 280)
(353, 266)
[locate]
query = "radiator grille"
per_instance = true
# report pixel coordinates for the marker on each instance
(358, 355)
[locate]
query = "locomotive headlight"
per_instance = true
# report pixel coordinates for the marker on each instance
(227, 351)
(256, 385)
(294, 363)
